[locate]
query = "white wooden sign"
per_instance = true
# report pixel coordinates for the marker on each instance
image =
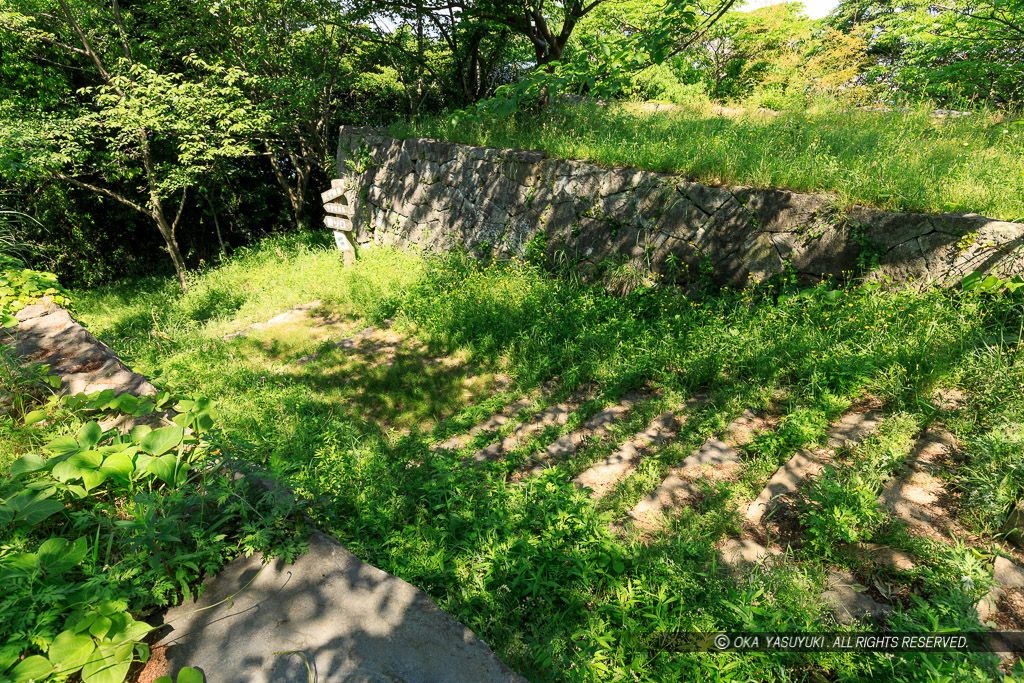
(342, 241)
(332, 193)
(337, 223)
(339, 209)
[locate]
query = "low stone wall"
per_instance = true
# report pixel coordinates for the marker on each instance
(440, 196)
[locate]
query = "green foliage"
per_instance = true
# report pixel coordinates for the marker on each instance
(839, 507)
(907, 161)
(533, 567)
(149, 513)
(994, 482)
(20, 286)
(99, 528)
(979, 281)
(961, 52)
(186, 675)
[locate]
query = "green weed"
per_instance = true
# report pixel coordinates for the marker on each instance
(904, 160)
(534, 567)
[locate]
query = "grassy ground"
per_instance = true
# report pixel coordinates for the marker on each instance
(534, 567)
(904, 160)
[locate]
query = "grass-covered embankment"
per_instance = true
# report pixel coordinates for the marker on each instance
(905, 160)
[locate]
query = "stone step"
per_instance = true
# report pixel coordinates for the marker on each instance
(349, 343)
(46, 333)
(295, 314)
(552, 415)
(849, 600)
(594, 428)
(917, 496)
(491, 424)
(851, 429)
(1007, 581)
(739, 553)
(715, 457)
(606, 474)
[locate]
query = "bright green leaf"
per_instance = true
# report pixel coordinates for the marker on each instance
(159, 441)
(89, 435)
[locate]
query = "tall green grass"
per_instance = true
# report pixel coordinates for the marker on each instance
(904, 160)
(534, 568)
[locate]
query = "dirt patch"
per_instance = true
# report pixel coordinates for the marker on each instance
(155, 667)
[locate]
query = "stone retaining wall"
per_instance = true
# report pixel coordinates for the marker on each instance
(439, 196)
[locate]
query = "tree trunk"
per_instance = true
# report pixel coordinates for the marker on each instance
(296, 196)
(167, 232)
(216, 223)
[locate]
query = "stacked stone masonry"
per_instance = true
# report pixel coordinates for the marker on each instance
(439, 196)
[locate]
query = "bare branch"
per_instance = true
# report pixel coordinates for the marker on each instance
(181, 209)
(86, 45)
(104, 191)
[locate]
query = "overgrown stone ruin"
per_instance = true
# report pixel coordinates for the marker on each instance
(632, 224)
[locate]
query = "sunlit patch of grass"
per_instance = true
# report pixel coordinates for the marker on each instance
(902, 160)
(535, 567)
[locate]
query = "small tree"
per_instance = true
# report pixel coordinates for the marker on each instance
(137, 132)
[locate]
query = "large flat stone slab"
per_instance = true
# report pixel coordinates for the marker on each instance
(47, 333)
(715, 459)
(349, 620)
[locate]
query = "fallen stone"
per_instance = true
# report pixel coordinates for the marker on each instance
(1006, 577)
(346, 620)
(1014, 525)
(784, 483)
(47, 333)
(988, 607)
(848, 600)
